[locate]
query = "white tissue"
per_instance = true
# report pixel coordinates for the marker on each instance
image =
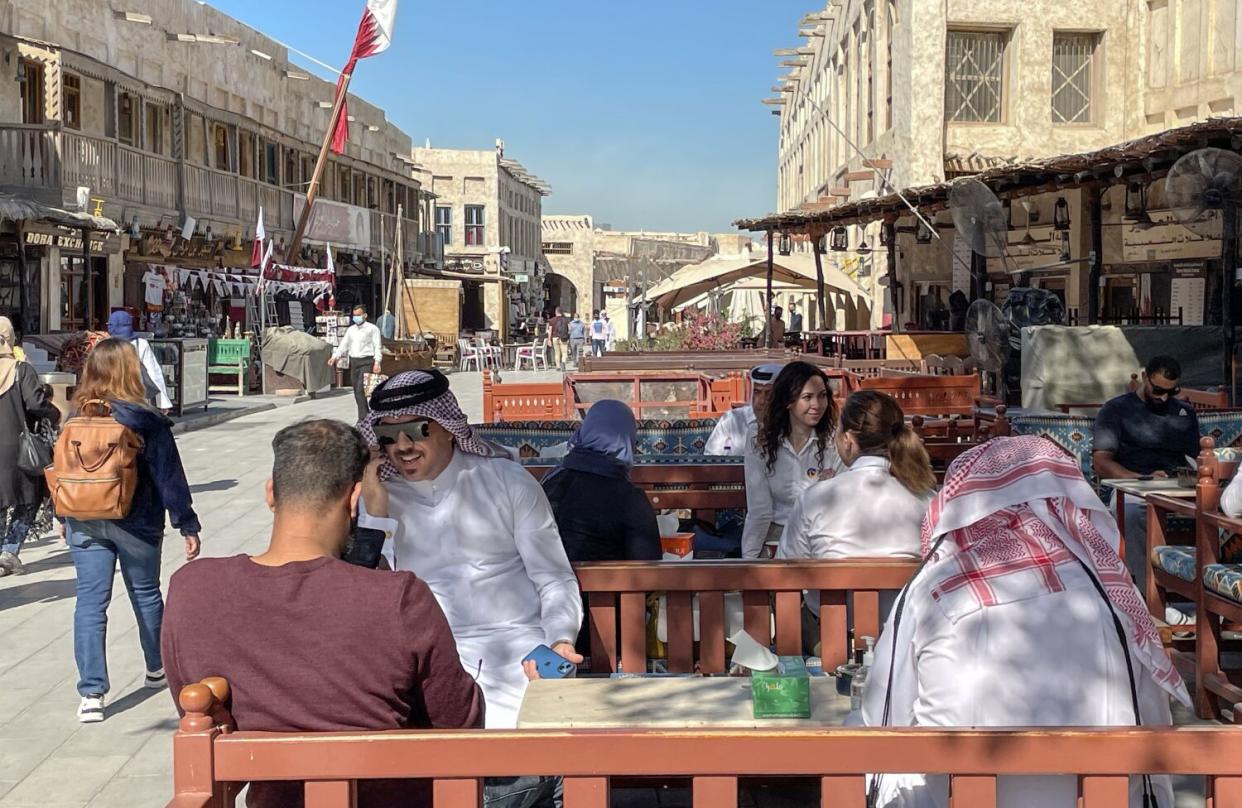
(750, 654)
(667, 523)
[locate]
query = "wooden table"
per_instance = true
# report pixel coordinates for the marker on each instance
(1142, 489)
(721, 702)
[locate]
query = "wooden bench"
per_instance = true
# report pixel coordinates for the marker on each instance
(522, 401)
(229, 357)
(929, 395)
(211, 759)
(617, 592)
(693, 487)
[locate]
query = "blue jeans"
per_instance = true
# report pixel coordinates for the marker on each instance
(96, 547)
(20, 519)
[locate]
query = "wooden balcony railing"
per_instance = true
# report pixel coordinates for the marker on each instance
(51, 158)
(28, 157)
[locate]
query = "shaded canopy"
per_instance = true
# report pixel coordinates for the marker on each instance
(16, 208)
(718, 274)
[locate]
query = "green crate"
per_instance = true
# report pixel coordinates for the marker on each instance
(229, 352)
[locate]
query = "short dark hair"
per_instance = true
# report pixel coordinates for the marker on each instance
(1166, 366)
(316, 461)
(360, 308)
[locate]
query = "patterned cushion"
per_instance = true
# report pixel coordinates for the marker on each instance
(1175, 560)
(655, 437)
(1224, 580)
(654, 460)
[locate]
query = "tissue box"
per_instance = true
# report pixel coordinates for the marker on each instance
(678, 544)
(783, 692)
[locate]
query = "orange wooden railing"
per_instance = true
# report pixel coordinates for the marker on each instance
(210, 760)
(771, 593)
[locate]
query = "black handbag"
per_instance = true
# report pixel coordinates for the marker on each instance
(34, 448)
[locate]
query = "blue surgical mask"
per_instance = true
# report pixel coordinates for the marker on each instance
(359, 319)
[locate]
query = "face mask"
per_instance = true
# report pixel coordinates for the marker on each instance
(359, 319)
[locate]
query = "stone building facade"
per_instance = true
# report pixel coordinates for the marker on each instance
(173, 118)
(920, 92)
(486, 211)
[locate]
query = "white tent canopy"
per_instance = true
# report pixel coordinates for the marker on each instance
(798, 270)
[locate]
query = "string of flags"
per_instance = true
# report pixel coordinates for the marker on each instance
(296, 281)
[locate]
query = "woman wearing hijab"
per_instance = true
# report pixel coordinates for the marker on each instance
(1023, 616)
(602, 516)
(121, 326)
(23, 401)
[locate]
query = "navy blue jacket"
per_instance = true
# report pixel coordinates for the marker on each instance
(161, 479)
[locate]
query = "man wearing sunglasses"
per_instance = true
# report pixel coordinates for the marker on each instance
(1147, 433)
(477, 528)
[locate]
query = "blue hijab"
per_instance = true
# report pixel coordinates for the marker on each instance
(604, 443)
(121, 325)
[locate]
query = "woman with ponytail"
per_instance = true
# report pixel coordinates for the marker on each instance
(875, 508)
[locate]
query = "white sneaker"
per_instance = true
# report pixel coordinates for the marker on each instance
(91, 710)
(155, 680)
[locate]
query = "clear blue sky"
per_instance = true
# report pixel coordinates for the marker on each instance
(643, 114)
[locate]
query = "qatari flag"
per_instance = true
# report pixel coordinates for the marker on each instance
(374, 36)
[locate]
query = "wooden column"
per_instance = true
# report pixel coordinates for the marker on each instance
(1229, 263)
(890, 237)
(767, 314)
(817, 240)
(1095, 196)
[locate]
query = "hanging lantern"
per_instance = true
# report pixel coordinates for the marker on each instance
(1060, 214)
(863, 247)
(840, 240)
(922, 234)
(786, 245)
(1136, 200)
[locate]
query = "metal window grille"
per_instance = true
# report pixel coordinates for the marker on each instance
(1072, 57)
(974, 79)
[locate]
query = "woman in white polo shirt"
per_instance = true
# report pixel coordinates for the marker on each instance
(792, 449)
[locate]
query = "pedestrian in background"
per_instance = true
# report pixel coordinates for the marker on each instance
(135, 541)
(558, 338)
(23, 401)
(610, 333)
(364, 346)
(577, 338)
(121, 326)
(599, 334)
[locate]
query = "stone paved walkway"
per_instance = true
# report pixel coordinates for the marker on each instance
(47, 758)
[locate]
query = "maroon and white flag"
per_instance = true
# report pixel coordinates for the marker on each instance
(256, 252)
(374, 36)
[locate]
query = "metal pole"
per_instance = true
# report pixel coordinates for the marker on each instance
(312, 190)
(1097, 257)
(1229, 264)
(767, 314)
(978, 276)
(819, 283)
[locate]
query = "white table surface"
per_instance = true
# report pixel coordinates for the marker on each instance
(667, 703)
(1143, 488)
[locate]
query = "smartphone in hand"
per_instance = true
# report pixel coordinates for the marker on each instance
(551, 665)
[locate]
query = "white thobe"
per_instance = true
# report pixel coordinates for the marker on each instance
(1231, 499)
(152, 365)
(771, 496)
(1052, 660)
(728, 438)
(483, 537)
(863, 512)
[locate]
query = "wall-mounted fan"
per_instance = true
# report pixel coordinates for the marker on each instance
(1203, 188)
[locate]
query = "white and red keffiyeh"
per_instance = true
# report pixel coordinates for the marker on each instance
(1019, 515)
(424, 394)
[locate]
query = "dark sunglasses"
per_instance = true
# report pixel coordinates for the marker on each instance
(1165, 391)
(388, 434)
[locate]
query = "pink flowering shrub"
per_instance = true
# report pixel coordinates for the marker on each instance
(700, 331)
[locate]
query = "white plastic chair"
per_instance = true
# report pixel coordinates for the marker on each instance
(469, 354)
(491, 354)
(535, 354)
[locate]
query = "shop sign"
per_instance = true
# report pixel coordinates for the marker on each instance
(336, 223)
(521, 277)
(39, 235)
(1188, 269)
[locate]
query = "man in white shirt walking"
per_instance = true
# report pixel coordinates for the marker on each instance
(477, 528)
(364, 346)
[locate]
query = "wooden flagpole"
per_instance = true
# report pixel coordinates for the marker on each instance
(312, 190)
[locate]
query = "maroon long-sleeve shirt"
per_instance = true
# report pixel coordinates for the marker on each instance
(319, 646)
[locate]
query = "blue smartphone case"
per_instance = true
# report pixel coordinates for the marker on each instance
(551, 664)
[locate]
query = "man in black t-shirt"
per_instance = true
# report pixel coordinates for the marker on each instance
(1147, 433)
